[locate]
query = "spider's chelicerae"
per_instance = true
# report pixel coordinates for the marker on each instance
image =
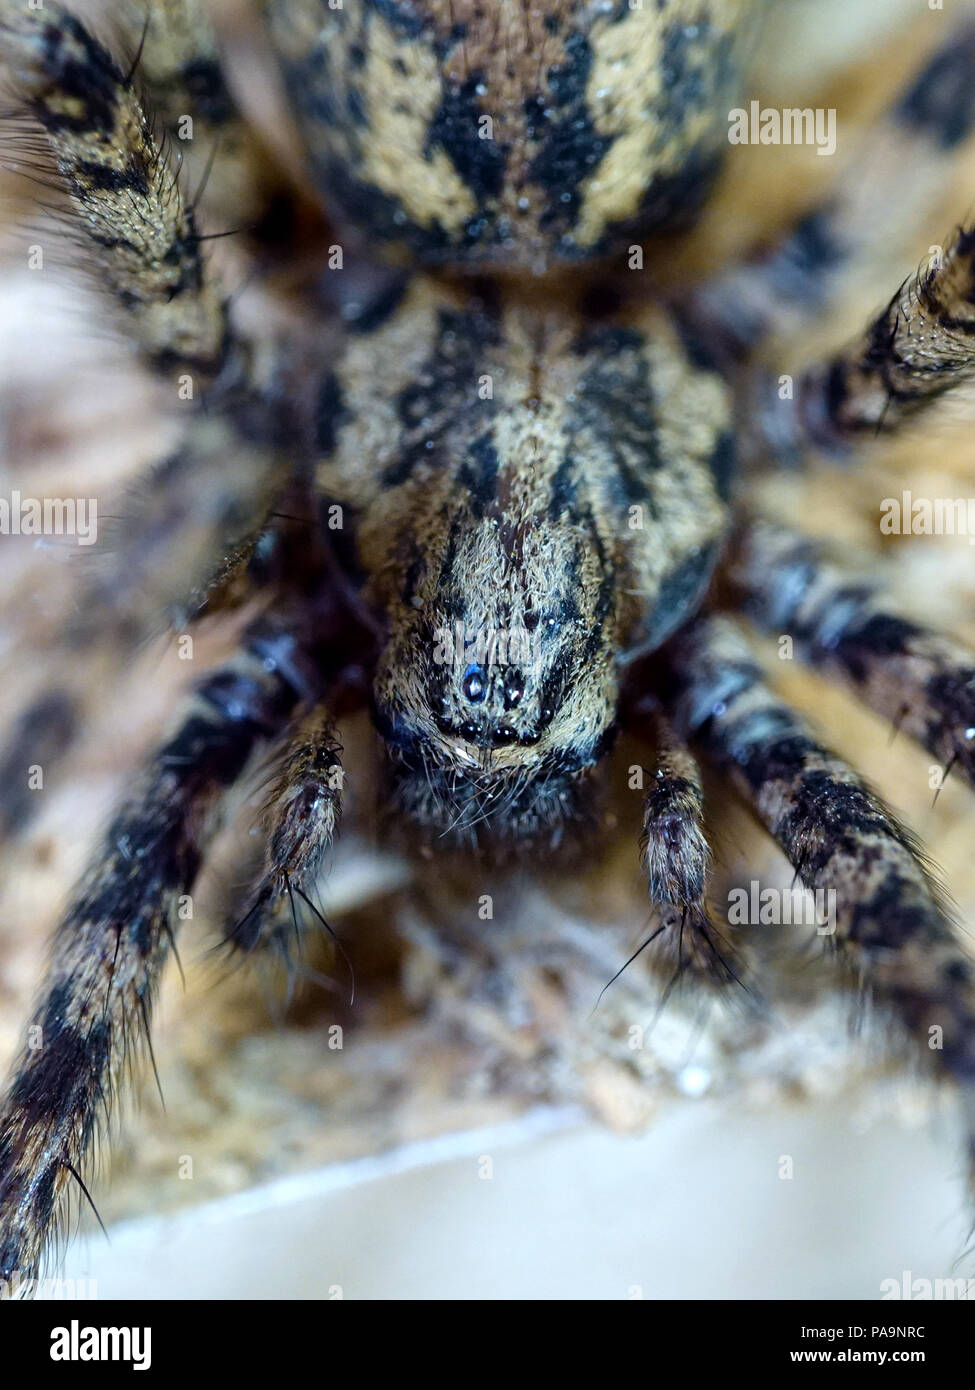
(495, 475)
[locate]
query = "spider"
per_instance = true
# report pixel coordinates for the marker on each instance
(496, 476)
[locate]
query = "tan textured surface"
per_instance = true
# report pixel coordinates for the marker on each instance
(247, 1098)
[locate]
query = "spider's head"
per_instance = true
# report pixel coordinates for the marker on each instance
(496, 693)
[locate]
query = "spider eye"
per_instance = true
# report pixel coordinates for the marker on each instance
(514, 689)
(504, 734)
(473, 685)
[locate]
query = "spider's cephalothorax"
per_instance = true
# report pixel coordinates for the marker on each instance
(523, 488)
(547, 494)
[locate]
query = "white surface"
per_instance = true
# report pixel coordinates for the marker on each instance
(695, 1208)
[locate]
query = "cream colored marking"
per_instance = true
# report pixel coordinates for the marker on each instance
(625, 87)
(401, 107)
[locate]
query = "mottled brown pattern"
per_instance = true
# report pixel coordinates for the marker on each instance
(536, 481)
(116, 936)
(675, 851)
(544, 460)
(141, 234)
(179, 63)
(512, 135)
(919, 679)
(300, 821)
(786, 286)
(914, 351)
(677, 858)
(839, 836)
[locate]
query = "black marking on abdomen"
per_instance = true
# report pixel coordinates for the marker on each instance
(569, 146)
(480, 163)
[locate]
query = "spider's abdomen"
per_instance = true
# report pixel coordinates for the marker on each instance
(511, 134)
